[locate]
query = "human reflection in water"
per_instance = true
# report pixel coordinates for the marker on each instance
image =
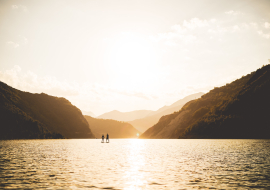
(107, 139)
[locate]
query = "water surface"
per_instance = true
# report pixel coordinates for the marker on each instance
(135, 164)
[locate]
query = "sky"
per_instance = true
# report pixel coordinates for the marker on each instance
(105, 55)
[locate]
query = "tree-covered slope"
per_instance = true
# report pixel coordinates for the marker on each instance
(145, 123)
(237, 110)
(26, 115)
(116, 129)
(245, 115)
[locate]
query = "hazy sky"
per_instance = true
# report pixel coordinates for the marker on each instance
(106, 55)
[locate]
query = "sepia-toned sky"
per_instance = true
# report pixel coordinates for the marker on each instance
(106, 55)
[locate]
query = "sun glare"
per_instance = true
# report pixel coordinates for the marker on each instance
(131, 52)
(131, 57)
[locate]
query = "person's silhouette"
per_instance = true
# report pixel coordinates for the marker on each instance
(107, 139)
(102, 138)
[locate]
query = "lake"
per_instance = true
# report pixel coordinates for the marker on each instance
(134, 164)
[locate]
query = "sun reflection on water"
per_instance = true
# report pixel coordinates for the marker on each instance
(134, 175)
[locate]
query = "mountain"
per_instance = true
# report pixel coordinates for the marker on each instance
(125, 116)
(25, 115)
(237, 110)
(116, 129)
(178, 103)
(88, 113)
(147, 122)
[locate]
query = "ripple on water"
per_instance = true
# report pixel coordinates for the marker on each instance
(135, 164)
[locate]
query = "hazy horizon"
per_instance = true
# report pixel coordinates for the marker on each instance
(130, 55)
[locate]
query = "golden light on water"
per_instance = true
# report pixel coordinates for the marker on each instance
(135, 178)
(133, 164)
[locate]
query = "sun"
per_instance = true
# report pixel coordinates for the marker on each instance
(138, 134)
(132, 58)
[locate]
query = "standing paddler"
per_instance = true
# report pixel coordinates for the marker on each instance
(102, 138)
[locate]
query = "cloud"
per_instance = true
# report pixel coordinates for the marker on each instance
(234, 13)
(242, 27)
(252, 25)
(187, 32)
(182, 33)
(19, 7)
(197, 30)
(29, 81)
(267, 36)
(179, 28)
(12, 44)
(267, 25)
(19, 41)
(14, 7)
(195, 23)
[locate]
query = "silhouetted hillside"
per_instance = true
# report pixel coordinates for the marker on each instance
(237, 110)
(116, 129)
(147, 122)
(26, 115)
(125, 116)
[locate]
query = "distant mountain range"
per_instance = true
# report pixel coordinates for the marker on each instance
(89, 113)
(125, 116)
(115, 129)
(25, 115)
(237, 110)
(145, 123)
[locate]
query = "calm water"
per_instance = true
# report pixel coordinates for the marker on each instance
(135, 164)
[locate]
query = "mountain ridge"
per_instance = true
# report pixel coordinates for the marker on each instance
(239, 109)
(89, 113)
(27, 115)
(145, 123)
